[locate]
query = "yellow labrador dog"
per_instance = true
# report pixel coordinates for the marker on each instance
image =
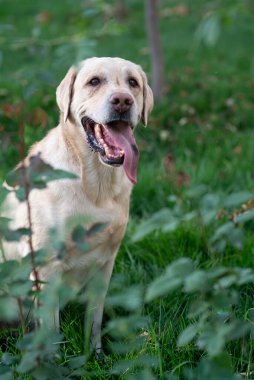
(100, 102)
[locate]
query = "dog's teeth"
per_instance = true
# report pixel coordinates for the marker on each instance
(103, 145)
(97, 130)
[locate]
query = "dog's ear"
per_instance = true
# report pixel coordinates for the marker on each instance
(64, 92)
(147, 99)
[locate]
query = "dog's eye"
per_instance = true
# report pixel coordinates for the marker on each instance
(94, 81)
(133, 82)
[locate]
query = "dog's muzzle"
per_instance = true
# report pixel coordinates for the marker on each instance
(114, 141)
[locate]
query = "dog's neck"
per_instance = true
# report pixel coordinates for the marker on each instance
(101, 182)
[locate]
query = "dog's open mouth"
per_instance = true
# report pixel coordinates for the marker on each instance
(115, 144)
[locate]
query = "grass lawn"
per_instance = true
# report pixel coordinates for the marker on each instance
(197, 148)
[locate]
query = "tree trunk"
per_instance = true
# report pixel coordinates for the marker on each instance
(121, 10)
(157, 63)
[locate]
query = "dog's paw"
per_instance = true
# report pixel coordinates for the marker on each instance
(101, 357)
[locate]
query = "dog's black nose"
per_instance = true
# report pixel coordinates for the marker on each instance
(121, 102)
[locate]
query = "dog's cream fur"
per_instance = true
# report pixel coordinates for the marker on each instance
(102, 192)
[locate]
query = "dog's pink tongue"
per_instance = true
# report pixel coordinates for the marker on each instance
(123, 136)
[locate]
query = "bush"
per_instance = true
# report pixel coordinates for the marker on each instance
(215, 319)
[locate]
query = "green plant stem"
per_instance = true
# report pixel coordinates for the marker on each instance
(2, 250)
(29, 213)
(22, 317)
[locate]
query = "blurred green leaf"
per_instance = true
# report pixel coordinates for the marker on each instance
(237, 330)
(211, 341)
(95, 229)
(47, 371)
(4, 224)
(8, 309)
(197, 191)
(16, 235)
(227, 280)
(245, 217)
(211, 369)
(187, 335)
(20, 194)
(196, 281)
(13, 270)
(36, 175)
(77, 362)
(223, 230)
(236, 238)
(209, 206)
(244, 275)
(144, 360)
(198, 307)
(8, 359)
(126, 347)
(125, 326)
(210, 201)
(20, 289)
(237, 199)
(28, 362)
(180, 268)
(7, 375)
(171, 280)
(78, 234)
(162, 286)
(144, 375)
(3, 194)
(130, 298)
(209, 30)
(156, 221)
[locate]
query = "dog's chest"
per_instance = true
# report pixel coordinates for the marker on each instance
(110, 211)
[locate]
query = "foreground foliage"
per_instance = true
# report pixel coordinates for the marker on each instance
(214, 314)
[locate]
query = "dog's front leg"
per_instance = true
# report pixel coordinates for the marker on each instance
(98, 304)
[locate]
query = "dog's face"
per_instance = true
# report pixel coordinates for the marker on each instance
(107, 97)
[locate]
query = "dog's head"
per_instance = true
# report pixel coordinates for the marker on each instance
(107, 97)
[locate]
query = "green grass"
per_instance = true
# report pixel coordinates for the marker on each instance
(208, 118)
